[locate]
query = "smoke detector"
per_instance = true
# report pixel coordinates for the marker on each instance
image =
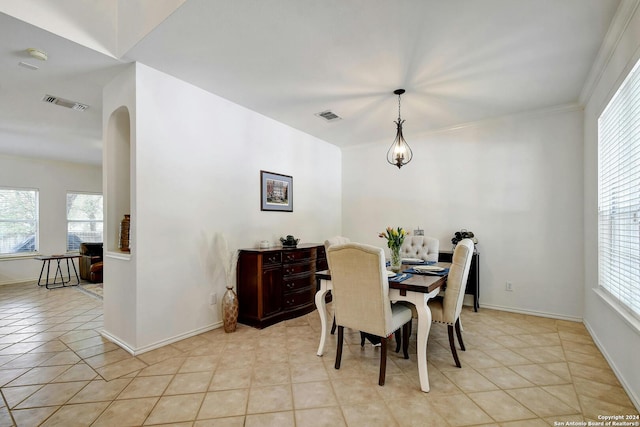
(38, 54)
(329, 116)
(65, 103)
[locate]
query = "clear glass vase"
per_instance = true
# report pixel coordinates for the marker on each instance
(396, 261)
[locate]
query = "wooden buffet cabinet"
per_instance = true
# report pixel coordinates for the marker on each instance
(278, 283)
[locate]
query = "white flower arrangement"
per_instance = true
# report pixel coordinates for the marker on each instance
(225, 260)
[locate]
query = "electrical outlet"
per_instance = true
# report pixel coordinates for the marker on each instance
(508, 286)
(213, 298)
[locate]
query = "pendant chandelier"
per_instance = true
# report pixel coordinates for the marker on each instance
(399, 153)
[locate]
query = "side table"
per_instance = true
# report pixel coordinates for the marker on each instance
(46, 260)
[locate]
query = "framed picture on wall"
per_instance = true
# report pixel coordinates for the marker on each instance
(276, 192)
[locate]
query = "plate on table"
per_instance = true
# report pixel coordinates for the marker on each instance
(390, 273)
(427, 268)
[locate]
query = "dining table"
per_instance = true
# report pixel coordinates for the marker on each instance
(417, 289)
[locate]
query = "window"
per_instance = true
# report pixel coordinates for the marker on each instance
(619, 195)
(84, 219)
(18, 221)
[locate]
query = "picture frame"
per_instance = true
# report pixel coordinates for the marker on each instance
(276, 192)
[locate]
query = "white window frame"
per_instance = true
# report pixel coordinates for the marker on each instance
(35, 220)
(79, 221)
(619, 200)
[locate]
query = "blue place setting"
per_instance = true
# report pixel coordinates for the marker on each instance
(434, 271)
(416, 261)
(401, 277)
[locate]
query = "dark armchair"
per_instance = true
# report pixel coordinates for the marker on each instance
(91, 261)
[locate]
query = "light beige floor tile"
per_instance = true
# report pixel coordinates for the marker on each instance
(225, 403)
(320, 417)
(221, 422)
(280, 419)
(166, 367)
(78, 372)
(372, 414)
(416, 412)
(538, 375)
(593, 408)
(41, 375)
(505, 378)
(271, 374)
(604, 392)
(226, 379)
(146, 387)
(32, 417)
(125, 413)
(541, 402)
(275, 398)
(469, 380)
(79, 415)
(121, 368)
(566, 393)
(100, 390)
(313, 395)
(173, 409)
(500, 406)
(199, 364)
(459, 410)
(192, 382)
(356, 390)
(301, 373)
(52, 394)
(14, 395)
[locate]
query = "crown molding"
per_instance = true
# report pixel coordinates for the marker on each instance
(619, 24)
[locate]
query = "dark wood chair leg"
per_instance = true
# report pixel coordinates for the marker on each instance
(383, 361)
(398, 338)
(333, 327)
(339, 349)
(405, 339)
(452, 344)
(459, 334)
(362, 338)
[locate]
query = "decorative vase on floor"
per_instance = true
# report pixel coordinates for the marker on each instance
(230, 310)
(396, 261)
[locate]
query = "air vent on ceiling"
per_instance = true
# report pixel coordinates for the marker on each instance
(329, 116)
(65, 103)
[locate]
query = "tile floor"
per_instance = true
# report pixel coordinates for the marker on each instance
(518, 370)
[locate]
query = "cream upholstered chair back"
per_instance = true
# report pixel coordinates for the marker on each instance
(361, 288)
(457, 282)
(336, 240)
(422, 247)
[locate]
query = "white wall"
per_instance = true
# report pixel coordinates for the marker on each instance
(617, 338)
(515, 182)
(197, 171)
(53, 179)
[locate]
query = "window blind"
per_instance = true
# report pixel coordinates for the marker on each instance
(84, 219)
(619, 194)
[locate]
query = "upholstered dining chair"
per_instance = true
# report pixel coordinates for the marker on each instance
(361, 297)
(420, 247)
(336, 240)
(447, 309)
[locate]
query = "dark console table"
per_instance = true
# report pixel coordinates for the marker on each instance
(473, 282)
(278, 283)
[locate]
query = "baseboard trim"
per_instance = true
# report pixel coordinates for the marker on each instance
(533, 313)
(632, 396)
(137, 351)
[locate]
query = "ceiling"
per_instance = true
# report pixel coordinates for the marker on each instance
(460, 61)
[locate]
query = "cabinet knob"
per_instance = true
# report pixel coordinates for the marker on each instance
(289, 285)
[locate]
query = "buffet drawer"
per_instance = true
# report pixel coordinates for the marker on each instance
(297, 298)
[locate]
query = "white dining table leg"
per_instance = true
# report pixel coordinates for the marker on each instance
(424, 326)
(321, 305)
(419, 300)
